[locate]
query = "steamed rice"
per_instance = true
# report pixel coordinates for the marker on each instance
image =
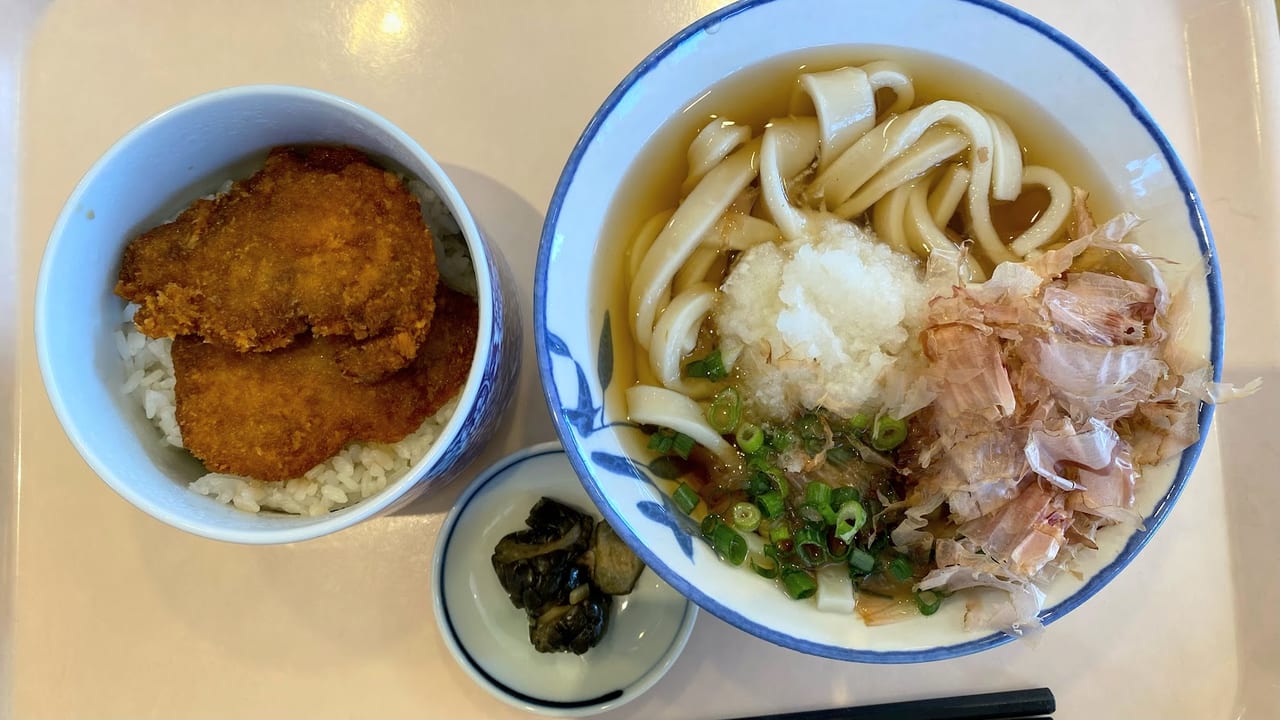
(360, 470)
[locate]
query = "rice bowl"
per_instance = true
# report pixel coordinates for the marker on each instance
(185, 153)
(361, 469)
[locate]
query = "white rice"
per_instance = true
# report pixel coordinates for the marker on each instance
(359, 470)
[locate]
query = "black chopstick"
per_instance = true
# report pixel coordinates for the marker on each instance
(1034, 704)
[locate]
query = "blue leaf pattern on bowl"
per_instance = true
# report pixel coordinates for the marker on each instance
(662, 515)
(588, 417)
(557, 346)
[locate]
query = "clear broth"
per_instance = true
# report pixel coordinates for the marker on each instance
(761, 92)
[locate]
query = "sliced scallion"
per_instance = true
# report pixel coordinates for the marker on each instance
(798, 584)
(746, 516)
(682, 445)
(837, 549)
(729, 544)
(660, 442)
(818, 494)
(828, 515)
(928, 601)
(685, 498)
(849, 520)
(779, 533)
(900, 569)
(810, 545)
(710, 367)
(839, 455)
(724, 411)
(772, 474)
(844, 494)
(810, 512)
(771, 504)
(859, 423)
(861, 561)
(709, 524)
(888, 433)
(765, 564)
(780, 440)
(750, 438)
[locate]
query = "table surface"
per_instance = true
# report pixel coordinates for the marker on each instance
(108, 613)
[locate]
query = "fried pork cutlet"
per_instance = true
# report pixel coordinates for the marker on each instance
(275, 415)
(319, 241)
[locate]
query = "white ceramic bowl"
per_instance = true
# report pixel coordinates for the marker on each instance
(578, 340)
(489, 637)
(153, 172)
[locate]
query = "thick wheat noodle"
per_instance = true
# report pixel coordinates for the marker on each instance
(676, 335)
(683, 233)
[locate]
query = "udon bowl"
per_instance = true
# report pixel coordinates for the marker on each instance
(581, 328)
(148, 176)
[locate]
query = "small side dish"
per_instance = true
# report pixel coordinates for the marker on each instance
(490, 637)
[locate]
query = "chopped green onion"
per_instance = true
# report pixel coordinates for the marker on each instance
(709, 524)
(888, 434)
(839, 455)
(724, 411)
(837, 549)
(818, 494)
(682, 444)
(666, 442)
(844, 494)
(861, 561)
(729, 544)
(685, 498)
(810, 427)
(764, 566)
(900, 569)
(798, 584)
(772, 474)
(746, 516)
(660, 442)
(859, 422)
(810, 545)
(779, 533)
(928, 601)
(849, 519)
(828, 515)
(780, 440)
(750, 438)
(770, 503)
(758, 484)
(710, 368)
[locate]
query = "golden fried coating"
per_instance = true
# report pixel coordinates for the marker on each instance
(275, 415)
(319, 241)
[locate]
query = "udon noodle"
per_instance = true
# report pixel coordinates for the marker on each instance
(885, 395)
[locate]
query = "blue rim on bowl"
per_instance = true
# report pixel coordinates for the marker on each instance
(488, 637)
(546, 345)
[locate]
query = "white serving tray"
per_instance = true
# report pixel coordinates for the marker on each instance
(106, 613)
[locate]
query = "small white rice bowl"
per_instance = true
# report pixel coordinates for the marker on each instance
(130, 439)
(360, 470)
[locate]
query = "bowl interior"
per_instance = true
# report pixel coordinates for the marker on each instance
(489, 637)
(583, 347)
(145, 179)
